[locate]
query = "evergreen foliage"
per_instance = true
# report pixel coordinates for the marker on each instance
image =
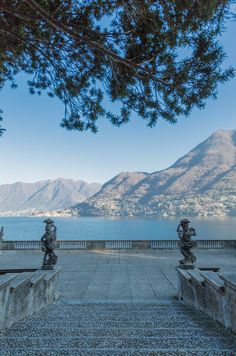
(156, 58)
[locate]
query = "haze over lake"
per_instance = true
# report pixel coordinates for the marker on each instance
(115, 228)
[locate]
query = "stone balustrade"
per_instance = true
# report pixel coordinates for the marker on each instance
(22, 294)
(116, 244)
(213, 293)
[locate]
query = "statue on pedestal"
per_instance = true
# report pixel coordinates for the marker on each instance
(185, 234)
(48, 244)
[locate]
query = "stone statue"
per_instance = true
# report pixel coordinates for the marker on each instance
(48, 244)
(186, 244)
(1, 233)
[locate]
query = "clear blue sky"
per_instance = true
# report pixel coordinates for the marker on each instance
(36, 148)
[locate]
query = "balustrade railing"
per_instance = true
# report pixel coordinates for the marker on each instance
(116, 244)
(21, 245)
(165, 244)
(71, 245)
(212, 244)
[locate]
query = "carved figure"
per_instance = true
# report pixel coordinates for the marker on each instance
(1, 232)
(48, 243)
(185, 234)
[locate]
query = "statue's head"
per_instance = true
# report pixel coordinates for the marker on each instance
(48, 221)
(184, 222)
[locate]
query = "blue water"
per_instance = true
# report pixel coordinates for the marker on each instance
(90, 228)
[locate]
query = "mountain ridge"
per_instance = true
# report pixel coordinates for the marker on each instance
(45, 195)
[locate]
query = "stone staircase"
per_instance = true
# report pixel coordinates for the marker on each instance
(163, 328)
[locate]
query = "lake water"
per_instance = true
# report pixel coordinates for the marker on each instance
(115, 228)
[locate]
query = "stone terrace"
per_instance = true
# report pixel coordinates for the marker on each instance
(118, 275)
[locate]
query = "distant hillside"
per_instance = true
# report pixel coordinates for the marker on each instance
(203, 182)
(45, 195)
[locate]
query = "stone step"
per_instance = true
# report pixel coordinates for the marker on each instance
(118, 316)
(120, 306)
(181, 324)
(118, 332)
(115, 308)
(115, 352)
(100, 318)
(93, 311)
(193, 343)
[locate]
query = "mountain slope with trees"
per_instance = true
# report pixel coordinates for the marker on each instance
(203, 182)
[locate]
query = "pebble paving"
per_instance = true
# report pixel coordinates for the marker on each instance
(117, 329)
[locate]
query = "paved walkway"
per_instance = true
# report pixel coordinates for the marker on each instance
(118, 275)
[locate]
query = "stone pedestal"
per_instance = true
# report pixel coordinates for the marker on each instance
(186, 266)
(47, 267)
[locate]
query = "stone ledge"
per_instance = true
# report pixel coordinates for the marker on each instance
(197, 276)
(229, 279)
(25, 293)
(37, 277)
(6, 279)
(213, 279)
(210, 292)
(20, 280)
(51, 274)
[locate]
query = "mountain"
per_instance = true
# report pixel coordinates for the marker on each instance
(203, 182)
(44, 195)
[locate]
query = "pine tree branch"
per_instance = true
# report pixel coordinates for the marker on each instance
(16, 36)
(141, 72)
(11, 11)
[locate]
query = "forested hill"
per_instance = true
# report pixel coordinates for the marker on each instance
(203, 182)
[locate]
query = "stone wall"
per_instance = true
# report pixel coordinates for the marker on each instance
(22, 294)
(213, 293)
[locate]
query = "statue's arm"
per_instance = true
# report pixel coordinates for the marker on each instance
(43, 237)
(54, 232)
(180, 232)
